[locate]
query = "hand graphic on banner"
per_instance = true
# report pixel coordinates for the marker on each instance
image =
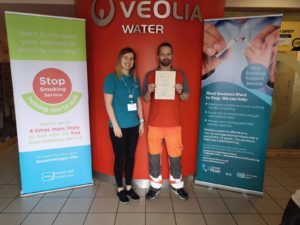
(214, 49)
(262, 49)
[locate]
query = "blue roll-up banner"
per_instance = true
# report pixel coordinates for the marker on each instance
(49, 74)
(239, 59)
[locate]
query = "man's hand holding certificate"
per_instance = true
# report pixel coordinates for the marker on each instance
(165, 85)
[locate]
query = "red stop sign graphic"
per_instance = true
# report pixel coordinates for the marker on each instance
(52, 86)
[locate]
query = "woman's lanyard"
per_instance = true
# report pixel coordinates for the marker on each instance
(130, 93)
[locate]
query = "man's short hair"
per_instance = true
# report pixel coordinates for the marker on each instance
(164, 44)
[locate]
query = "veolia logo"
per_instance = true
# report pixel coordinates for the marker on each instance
(161, 9)
(101, 21)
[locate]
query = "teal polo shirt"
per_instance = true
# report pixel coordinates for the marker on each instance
(121, 89)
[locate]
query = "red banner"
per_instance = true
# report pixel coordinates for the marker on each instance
(143, 25)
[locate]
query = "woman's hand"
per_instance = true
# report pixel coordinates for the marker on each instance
(117, 131)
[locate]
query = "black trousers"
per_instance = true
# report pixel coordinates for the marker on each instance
(124, 150)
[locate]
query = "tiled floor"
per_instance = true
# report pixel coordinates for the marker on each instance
(98, 205)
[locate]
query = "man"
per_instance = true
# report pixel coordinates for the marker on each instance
(164, 124)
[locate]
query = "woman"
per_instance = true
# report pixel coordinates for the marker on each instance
(124, 109)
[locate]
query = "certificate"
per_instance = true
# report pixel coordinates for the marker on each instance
(165, 85)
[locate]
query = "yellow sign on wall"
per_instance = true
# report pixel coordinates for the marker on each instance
(289, 36)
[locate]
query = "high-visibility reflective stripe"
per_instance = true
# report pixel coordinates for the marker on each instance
(156, 182)
(176, 183)
(158, 179)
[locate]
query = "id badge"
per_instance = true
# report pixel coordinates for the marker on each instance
(132, 107)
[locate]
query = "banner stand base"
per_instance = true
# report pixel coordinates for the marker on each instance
(228, 188)
(60, 189)
(139, 183)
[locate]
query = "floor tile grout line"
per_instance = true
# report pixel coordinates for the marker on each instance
(65, 202)
(12, 199)
(61, 208)
(116, 213)
(277, 203)
(31, 211)
(91, 204)
(11, 180)
(75, 197)
(197, 199)
(173, 207)
(229, 212)
(280, 186)
(115, 221)
(260, 214)
(263, 219)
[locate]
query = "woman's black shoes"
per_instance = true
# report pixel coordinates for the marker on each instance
(134, 196)
(123, 196)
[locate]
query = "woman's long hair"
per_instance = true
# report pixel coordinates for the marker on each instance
(118, 64)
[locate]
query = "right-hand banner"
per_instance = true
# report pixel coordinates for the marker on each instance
(239, 60)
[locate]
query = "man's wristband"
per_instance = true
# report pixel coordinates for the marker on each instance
(142, 120)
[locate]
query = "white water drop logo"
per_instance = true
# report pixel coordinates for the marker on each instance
(99, 19)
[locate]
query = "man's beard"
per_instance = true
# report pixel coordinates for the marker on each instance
(165, 62)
